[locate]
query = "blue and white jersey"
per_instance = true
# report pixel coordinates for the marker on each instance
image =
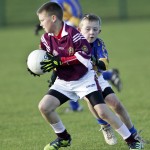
(99, 52)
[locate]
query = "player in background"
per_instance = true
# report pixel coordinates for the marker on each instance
(68, 51)
(90, 27)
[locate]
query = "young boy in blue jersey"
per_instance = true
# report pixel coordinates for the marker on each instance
(90, 27)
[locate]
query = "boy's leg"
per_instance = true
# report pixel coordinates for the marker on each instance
(47, 108)
(106, 129)
(113, 102)
(104, 113)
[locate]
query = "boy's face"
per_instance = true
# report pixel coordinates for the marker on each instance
(46, 22)
(90, 30)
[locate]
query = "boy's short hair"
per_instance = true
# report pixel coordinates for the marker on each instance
(51, 8)
(90, 17)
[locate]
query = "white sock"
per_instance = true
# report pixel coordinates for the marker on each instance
(58, 127)
(124, 131)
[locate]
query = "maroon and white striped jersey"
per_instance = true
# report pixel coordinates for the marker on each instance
(71, 43)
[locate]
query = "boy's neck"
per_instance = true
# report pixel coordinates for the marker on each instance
(58, 29)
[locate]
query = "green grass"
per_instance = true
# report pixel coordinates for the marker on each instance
(21, 124)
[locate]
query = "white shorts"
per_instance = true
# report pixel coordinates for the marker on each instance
(77, 89)
(103, 83)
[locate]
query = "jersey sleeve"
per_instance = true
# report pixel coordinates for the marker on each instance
(102, 56)
(82, 51)
(42, 46)
(82, 48)
(43, 43)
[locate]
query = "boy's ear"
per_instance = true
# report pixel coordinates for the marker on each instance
(53, 18)
(78, 29)
(99, 31)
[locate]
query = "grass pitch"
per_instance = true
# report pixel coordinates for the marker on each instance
(21, 124)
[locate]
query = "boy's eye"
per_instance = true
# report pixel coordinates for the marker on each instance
(42, 20)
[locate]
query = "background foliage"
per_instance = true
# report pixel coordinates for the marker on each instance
(24, 12)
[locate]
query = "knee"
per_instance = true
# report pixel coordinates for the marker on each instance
(42, 107)
(102, 113)
(114, 102)
(46, 106)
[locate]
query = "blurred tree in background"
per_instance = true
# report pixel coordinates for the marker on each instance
(18, 12)
(2, 13)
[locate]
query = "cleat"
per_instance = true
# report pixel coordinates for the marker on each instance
(139, 143)
(58, 143)
(138, 137)
(109, 135)
(115, 80)
(135, 145)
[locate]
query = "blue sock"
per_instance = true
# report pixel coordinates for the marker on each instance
(107, 75)
(101, 121)
(132, 130)
(73, 105)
